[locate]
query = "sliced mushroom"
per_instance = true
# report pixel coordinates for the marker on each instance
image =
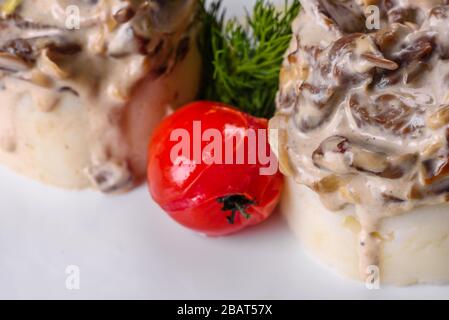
(341, 156)
(13, 63)
(314, 107)
(17, 29)
(402, 15)
(434, 170)
(110, 177)
(342, 15)
(391, 39)
(352, 59)
(439, 118)
(437, 21)
(390, 112)
(170, 16)
(48, 65)
(379, 61)
(417, 50)
(40, 79)
(21, 48)
(328, 184)
(124, 14)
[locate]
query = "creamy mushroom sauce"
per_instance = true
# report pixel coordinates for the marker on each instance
(117, 44)
(364, 114)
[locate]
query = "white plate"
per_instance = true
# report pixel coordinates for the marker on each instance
(126, 247)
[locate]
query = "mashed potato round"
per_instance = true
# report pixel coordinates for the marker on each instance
(415, 246)
(81, 96)
(363, 122)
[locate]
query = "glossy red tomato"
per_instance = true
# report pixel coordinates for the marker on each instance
(187, 179)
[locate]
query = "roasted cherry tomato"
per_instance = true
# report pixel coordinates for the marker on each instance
(188, 180)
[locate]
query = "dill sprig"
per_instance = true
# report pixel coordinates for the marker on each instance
(242, 59)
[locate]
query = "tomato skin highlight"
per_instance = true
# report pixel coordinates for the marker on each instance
(190, 192)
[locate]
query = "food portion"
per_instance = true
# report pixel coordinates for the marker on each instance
(206, 172)
(83, 83)
(362, 114)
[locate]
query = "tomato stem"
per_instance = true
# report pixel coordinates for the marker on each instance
(236, 203)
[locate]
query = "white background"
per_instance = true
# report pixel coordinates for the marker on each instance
(127, 248)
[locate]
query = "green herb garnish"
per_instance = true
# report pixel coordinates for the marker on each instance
(242, 60)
